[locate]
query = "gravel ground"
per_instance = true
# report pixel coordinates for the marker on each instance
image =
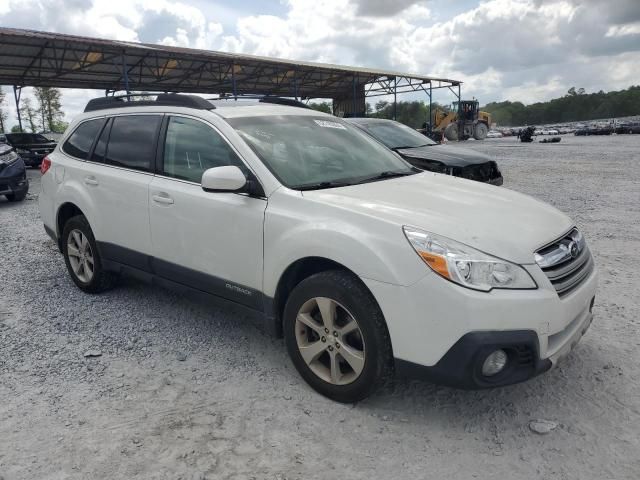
(183, 389)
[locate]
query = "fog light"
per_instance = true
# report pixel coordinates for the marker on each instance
(494, 363)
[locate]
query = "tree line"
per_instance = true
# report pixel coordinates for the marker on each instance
(44, 115)
(576, 105)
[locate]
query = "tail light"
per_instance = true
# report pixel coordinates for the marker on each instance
(45, 165)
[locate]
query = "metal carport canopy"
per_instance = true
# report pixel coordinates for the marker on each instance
(33, 58)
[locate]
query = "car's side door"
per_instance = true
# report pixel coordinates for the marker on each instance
(117, 177)
(209, 241)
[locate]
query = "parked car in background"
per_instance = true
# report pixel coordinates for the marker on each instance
(32, 147)
(422, 152)
(627, 127)
(494, 134)
(366, 264)
(13, 176)
(53, 136)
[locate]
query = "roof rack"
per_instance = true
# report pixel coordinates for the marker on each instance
(162, 99)
(264, 99)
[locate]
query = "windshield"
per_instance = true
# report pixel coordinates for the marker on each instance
(304, 152)
(27, 138)
(397, 135)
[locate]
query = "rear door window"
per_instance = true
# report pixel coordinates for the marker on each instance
(132, 141)
(79, 143)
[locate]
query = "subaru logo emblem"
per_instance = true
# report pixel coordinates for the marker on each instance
(573, 249)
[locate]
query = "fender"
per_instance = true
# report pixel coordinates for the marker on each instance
(370, 247)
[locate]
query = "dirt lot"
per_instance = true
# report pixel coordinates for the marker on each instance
(186, 390)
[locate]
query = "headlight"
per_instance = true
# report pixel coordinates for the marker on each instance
(464, 265)
(8, 157)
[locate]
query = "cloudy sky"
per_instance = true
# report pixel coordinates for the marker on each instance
(527, 50)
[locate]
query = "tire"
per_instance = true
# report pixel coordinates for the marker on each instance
(16, 197)
(368, 345)
(480, 131)
(451, 132)
(99, 280)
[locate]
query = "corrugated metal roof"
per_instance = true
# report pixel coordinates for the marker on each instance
(34, 58)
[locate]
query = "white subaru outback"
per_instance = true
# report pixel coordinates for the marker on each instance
(365, 264)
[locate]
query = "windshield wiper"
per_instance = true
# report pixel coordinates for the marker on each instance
(385, 175)
(322, 185)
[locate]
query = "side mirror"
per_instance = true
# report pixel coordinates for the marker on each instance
(223, 179)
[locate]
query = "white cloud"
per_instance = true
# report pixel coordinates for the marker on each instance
(526, 50)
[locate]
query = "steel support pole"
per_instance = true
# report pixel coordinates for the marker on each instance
(17, 92)
(233, 80)
(395, 97)
(353, 110)
(430, 121)
(125, 74)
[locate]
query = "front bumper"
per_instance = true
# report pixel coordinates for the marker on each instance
(496, 181)
(442, 331)
(461, 366)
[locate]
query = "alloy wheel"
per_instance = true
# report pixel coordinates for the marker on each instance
(330, 341)
(80, 255)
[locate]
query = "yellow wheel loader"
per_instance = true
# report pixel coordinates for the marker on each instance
(463, 121)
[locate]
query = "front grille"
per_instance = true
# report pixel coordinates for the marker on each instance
(480, 173)
(566, 270)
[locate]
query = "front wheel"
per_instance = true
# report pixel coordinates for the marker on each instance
(16, 197)
(480, 131)
(336, 336)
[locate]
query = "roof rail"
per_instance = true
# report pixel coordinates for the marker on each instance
(264, 99)
(162, 99)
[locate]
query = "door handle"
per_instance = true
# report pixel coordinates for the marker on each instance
(91, 180)
(162, 198)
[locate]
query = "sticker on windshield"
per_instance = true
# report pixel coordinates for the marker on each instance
(328, 124)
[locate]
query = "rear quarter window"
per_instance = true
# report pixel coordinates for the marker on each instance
(79, 143)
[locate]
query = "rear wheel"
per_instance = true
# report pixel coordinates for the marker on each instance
(82, 257)
(336, 336)
(480, 131)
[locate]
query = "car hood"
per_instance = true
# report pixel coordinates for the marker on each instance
(447, 154)
(498, 221)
